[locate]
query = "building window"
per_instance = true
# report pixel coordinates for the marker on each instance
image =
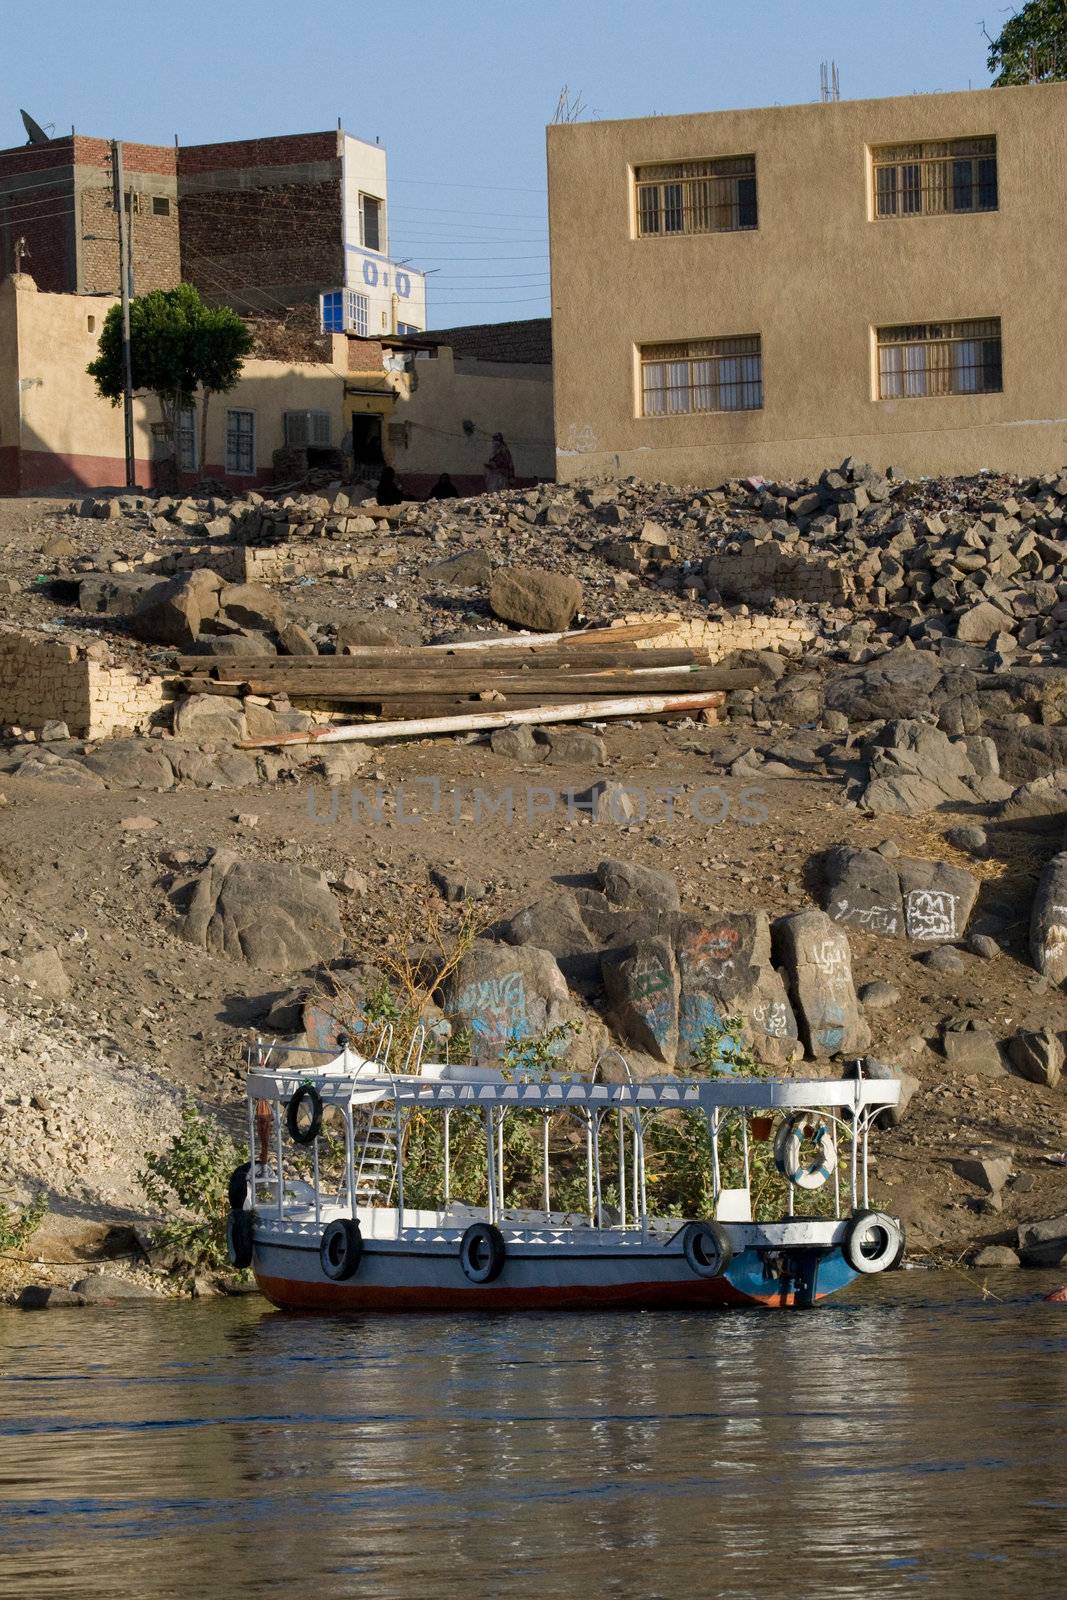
(304, 428)
(187, 439)
(160, 205)
(90, 323)
(370, 218)
(931, 358)
(701, 375)
(696, 196)
(345, 311)
(408, 328)
(241, 442)
(932, 179)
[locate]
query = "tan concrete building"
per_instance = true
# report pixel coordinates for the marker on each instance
(420, 405)
(768, 291)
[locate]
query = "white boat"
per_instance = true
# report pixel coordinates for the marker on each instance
(334, 1232)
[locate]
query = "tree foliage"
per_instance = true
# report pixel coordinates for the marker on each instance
(177, 346)
(187, 1182)
(1032, 45)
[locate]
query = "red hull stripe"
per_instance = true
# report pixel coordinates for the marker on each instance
(291, 1295)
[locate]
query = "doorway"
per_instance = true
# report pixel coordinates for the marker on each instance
(367, 442)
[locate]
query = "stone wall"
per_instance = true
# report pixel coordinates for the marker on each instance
(53, 680)
(723, 636)
(763, 571)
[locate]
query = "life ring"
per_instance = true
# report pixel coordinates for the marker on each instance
(482, 1252)
(874, 1242)
(707, 1249)
(308, 1093)
(237, 1188)
(239, 1238)
(341, 1249)
(789, 1142)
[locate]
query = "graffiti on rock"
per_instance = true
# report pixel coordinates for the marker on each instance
(930, 914)
(876, 919)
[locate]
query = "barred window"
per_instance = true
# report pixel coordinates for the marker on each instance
(932, 358)
(935, 178)
(304, 428)
(697, 196)
(702, 375)
(241, 442)
(344, 311)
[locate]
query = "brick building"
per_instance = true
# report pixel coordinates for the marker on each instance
(259, 224)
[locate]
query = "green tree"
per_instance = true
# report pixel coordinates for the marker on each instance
(177, 345)
(1032, 45)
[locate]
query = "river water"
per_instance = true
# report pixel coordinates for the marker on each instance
(908, 1437)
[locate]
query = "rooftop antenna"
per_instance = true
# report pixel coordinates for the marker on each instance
(36, 133)
(829, 83)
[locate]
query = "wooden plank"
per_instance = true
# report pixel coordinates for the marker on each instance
(422, 727)
(565, 686)
(421, 659)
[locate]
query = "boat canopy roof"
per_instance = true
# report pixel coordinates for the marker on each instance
(354, 1079)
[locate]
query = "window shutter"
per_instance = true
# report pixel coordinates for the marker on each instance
(296, 430)
(320, 427)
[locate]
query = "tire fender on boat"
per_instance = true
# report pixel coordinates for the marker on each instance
(482, 1252)
(707, 1249)
(237, 1188)
(306, 1094)
(874, 1242)
(341, 1249)
(239, 1238)
(789, 1142)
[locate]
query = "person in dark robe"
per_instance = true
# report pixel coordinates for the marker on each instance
(443, 489)
(389, 491)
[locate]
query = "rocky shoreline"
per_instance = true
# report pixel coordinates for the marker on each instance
(902, 897)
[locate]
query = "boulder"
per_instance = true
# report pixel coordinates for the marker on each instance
(517, 744)
(898, 897)
(555, 923)
(996, 1258)
(263, 722)
(574, 747)
(41, 969)
(215, 769)
(251, 605)
(1044, 1244)
(530, 597)
(171, 613)
(116, 594)
(58, 769)
(210, 718)
(988, 1173)
(981, 622)
(914, 767)
(1048, 921)
(293, 640)
(467, 570)
(242, 642)
(973, 1050)
(454, 886)
(105, 1288)
(643, 890)
(814, 953)
(1041, 797)
(271, 914)
(1037, 1056)
(878, 995)
(642, 986)
(899, 683)
(725, 971)
(504, 994)
(130, 764)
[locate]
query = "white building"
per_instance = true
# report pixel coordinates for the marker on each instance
(379, 295)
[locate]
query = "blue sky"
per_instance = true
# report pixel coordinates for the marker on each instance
(459, 91)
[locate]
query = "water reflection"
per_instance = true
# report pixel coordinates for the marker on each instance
(912, 1436)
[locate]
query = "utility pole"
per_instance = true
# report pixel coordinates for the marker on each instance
(20, 251)
(124, 290)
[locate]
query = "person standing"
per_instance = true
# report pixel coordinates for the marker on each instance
(500, 468)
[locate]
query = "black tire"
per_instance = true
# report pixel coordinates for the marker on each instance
(237, 1188)
(707, 1249)
(239, 1238)
(482, 1252)
(341, 1249)
(306, 1094)
(874, 1242)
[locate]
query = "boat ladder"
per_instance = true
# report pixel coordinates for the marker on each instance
(376, 1173)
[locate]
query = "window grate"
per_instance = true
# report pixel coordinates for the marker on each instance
(303, 428)
(187, 439)
(702, 375)
(241, 442)
(935, 178)
(936, 358)
(344, 311)
(696, 196)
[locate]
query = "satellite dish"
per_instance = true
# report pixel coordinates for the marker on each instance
(34, 129)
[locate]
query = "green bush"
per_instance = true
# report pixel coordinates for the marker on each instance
(188, 1183)
(19, 1224)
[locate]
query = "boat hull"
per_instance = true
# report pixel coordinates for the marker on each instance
(432, 1280)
